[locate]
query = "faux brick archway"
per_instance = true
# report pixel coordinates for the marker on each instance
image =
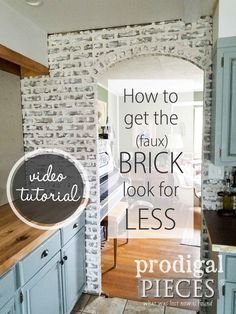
(59, 110)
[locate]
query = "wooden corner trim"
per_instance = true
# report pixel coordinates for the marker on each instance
(10, 67)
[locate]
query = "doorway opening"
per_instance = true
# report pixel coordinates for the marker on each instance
(119, 269)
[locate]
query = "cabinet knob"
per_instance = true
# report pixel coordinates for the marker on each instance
(76, 225)
(45, 253)
(65, 258)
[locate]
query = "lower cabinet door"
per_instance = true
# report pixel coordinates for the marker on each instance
(73, 270)
(230, 298)
(43, 293)
(9, 308)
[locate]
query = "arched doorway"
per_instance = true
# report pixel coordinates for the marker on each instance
(160, 68)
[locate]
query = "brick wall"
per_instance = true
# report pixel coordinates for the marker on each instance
(59, 110)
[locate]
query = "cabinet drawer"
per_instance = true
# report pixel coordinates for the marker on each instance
(230, 266)
(7, 287)
(70, 230)
(32, 263)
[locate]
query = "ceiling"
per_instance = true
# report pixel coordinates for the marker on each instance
(156, 68)
(70, 15)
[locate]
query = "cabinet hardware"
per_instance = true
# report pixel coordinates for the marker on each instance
(61, 262)
(220, 152)
(45, 253)
(223, 290)
(21, 297)
(65, 258)
(222, 62)
(76, 225)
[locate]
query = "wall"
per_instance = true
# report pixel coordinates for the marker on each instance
(60, 109)
(102, 94)
(227, 21)
(224, 19)
(216, 24)
(21, 35)
(11, 134)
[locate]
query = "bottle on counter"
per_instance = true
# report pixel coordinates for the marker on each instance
(233, 185)
(234, 179)
(227, 196)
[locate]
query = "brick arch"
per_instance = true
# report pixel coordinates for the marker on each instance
(112, 58)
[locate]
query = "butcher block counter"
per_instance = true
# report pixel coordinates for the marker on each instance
(16, 238)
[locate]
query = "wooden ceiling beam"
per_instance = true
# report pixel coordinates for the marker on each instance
(27, 66)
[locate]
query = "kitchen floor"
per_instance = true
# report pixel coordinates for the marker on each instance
(90, 304)
(121, 282)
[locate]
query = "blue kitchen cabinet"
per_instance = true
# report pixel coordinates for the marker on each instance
(43, 293)
(230, 283)
(230, 298)
(224, 300)
(223, 128)
(8, 288)
(9, 308)
(73, 270)
(52, 277)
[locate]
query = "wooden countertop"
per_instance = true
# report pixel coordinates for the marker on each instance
(16, 238)
(221, 230)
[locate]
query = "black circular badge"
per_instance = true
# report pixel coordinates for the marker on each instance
(47, 188)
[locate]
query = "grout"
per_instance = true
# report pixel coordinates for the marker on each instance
(125, 306)
(86, 303)
(83, 311)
